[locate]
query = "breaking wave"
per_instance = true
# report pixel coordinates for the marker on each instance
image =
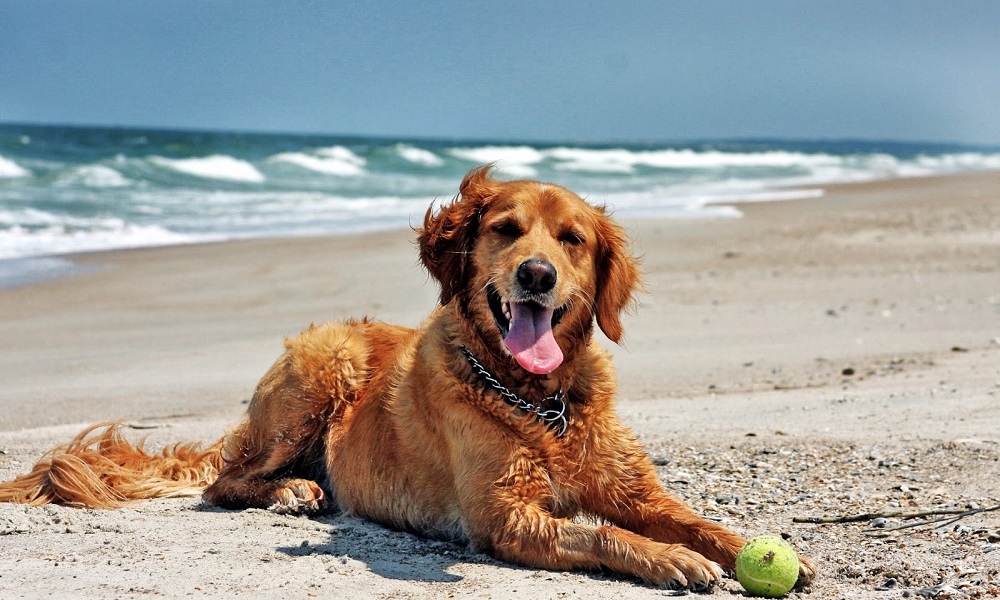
(212, 167)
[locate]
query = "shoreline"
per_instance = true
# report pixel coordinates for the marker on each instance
(839, 355)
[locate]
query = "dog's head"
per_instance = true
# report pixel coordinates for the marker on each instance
(532, 265)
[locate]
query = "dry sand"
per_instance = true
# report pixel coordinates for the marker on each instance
(822, 358)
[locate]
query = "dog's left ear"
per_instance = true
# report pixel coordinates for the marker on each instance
(618, 276)
(447, 237)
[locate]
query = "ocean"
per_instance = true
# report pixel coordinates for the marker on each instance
(73, 189)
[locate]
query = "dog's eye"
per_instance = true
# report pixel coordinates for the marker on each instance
(508, 229)
(571, 238)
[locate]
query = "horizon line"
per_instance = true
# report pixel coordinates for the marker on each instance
(754, 139)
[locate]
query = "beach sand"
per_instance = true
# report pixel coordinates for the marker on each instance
(826, 357)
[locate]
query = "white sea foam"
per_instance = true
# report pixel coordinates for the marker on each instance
(593, 161)
(10, 169)
(296, 212)
(342, 153)
(695, 200)
(418, 155)
(61, 238)
(963, 161)
(329, 165)
(664, 203)
(94, 176)
(624, 161)
(511, 161)
(217, 166)
(524, 155)
(229, 214)
(32, 219)
(525, 160)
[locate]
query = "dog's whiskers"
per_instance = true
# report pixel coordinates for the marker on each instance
(485, 288)
(588, 300)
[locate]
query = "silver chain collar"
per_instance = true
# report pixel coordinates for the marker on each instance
(554, 418)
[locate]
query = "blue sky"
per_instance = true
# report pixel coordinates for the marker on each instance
(557, 71)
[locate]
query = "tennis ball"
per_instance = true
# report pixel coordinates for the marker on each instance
(767, 567)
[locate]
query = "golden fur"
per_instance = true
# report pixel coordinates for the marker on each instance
(393, 423)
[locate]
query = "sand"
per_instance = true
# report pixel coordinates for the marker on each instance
(825, 357)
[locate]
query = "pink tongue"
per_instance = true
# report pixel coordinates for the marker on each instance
(530, 338)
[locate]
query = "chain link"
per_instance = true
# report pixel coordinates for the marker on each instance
(554, 418)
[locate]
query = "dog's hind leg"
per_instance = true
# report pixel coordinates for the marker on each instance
(275, 458)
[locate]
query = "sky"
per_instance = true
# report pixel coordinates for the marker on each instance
(908, 70)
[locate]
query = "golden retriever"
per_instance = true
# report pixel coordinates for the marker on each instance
(493, 423)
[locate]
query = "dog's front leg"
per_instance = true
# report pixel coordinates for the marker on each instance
(628, 493)
(653, 513)
(507, 516)
(531, 537)
(664, 518)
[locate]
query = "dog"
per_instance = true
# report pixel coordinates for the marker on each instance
(492, 424)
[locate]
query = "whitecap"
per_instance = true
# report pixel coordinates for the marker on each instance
(329, 165)
(10, 169)
(95, 176)
(418, 156)
(509, 155)
(342, 154)
(217, 166)
(594, 161)
(515, 170)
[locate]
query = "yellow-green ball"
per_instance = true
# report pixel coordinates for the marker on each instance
(767, 567)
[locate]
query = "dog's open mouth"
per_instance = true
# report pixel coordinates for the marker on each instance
(526, 328)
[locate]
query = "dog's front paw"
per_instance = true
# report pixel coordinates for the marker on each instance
(296, 496)
(807, 573)
(678, 567)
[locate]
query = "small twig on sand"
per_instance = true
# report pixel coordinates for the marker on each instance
(947, 521)
(956, 514)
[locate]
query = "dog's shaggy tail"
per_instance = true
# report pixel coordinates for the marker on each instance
(101, 469)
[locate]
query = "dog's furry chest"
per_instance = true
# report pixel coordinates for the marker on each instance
(422, 462)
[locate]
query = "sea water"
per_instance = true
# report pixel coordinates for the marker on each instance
(73, 189)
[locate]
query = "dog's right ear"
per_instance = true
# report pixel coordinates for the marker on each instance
(447, 237)
(618, 277)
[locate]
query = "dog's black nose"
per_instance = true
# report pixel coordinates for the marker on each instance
(536, 275)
